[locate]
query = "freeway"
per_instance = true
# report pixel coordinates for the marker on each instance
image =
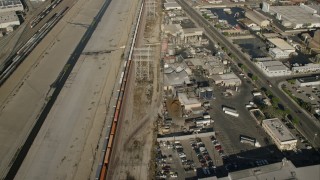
(308, 126)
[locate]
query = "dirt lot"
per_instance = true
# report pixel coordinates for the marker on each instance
(131, 156)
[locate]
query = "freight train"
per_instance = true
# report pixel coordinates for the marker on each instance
(107, 149)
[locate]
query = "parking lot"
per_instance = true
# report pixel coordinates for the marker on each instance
(228, 128)
(307, 94)
(185, 157)
(253, 46)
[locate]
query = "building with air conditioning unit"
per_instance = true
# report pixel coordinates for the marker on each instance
(280, 134)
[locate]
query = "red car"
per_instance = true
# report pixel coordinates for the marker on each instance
(218, 147)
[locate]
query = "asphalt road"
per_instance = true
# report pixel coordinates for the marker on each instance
(308, 126)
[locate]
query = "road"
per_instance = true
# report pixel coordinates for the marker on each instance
(308, 126)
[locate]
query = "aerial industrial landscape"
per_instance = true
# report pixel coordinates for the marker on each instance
(160, 89)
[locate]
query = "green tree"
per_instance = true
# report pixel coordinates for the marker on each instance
(254, 77)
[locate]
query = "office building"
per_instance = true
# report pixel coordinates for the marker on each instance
(279, 134)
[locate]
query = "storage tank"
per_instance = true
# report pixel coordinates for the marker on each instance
(209, 93)
(202, 93)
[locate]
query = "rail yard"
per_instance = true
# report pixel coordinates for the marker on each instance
(25, 50)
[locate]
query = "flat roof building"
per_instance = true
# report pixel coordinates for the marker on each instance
(9, 18)
(308, 81)
(273, 68)
(227, 79)
(188, 102)
(282, 45)
(257, 18)
(171, 6)
(295, 17)
(10, 5)
(192, 34)
(279, 170)
(280, 134)
(310, 67)
(277, 53)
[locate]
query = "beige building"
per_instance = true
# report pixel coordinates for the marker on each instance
(257, 18)
(189, 103)
(280, 134)
(227, 79)
(9, 19)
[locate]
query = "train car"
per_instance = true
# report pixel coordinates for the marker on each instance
(116, 116)
(113, 128)
(103, 172)
(110, 141)
(107, 156)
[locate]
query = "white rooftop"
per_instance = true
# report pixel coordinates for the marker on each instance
(171, 5)
(9, 3)
(229, 76)
(9, 16)
(279, 130)
(276, 50)
(272, 63)
(193, 31)
(281, 44)
(280, 170)
(183, 98)
(295, 14)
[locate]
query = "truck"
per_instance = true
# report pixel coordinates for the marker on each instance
(203, 122)
(257, 94)
(249, 140)
(235, 114)
(230, 111)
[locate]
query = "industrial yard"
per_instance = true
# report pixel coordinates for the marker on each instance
(210, 121)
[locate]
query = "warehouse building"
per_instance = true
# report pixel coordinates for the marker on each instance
(308, 81)
(9, 19)
(192, 35)
(310, 67)
(227, 79)
(257, 18)
(10, 5)
(188, 103)
(273, 68)
(282, 45)
(171, 6)
(275, 171)
(277, 53)
(295, 17)
(175, 77)
(280, 134)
